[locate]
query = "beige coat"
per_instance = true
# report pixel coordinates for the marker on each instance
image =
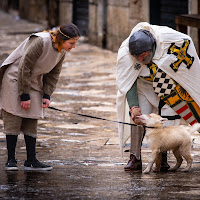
(47, 64)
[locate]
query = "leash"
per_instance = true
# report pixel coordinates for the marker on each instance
(93, 117)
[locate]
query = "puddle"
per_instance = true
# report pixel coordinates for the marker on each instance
(74, 85)
(4, 187)
(77, 134)
(67, 91)
(75, 126)
(110, 164)
(101, 108)
(80, 102)
(65, 140)
(88, 93)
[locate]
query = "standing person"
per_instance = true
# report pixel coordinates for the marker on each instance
(28, 79)
(157, 71)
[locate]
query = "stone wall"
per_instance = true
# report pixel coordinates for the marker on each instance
(112, 20)
(4, 5)
(65, 11)
(96, 22)
(122, 16)
(52, 13)
(9, 4)
(33, 10)
(193, 32)
(117, 23)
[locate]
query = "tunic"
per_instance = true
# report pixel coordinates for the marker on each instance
(22, 74)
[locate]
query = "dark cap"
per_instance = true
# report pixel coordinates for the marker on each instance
(140, 42)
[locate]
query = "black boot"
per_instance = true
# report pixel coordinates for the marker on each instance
(11, 141)
(164, 165)
(32, 163)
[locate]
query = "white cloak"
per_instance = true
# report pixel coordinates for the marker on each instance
(127, 74)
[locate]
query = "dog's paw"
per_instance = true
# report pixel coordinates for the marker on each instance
(146, 171)
(172, 169)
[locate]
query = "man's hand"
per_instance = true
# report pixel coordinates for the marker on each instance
(135, 111)
(45, 103)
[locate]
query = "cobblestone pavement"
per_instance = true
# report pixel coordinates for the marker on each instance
(84, 152)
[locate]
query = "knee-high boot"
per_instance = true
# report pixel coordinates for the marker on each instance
(32, 163)
(11, 145)
(30, 147)
(11, 141)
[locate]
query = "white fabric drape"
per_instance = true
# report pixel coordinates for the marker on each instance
(127, 72)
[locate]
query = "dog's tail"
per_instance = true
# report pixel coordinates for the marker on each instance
(195, 127)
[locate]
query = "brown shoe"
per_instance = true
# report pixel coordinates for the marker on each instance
(133, 164)
(164, 166)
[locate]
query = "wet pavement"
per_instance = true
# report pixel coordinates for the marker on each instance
(84, 152)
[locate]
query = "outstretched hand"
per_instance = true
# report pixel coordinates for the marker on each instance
(136, 111)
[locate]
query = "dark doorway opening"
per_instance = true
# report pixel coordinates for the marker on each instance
(80, 15)
(163, 12)
(13, 4)
(104, 40)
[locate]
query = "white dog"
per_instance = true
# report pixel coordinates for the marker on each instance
(160, 139)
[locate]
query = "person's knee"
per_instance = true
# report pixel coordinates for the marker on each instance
(8, 133)
(34, 135)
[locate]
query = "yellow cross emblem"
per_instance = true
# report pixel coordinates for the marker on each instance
(181, 54)
(153, 68)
